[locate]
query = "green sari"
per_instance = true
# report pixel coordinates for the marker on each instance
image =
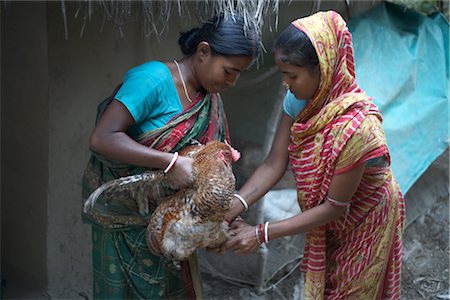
(123, 266)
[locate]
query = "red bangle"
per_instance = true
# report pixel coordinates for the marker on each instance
(261, 230)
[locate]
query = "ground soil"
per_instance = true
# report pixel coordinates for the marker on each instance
(426, 255)
(425, 272)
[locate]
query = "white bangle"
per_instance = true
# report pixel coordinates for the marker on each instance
(266, 232)
(338, 203)
(257, 236)
(172, 163)
(242, 201)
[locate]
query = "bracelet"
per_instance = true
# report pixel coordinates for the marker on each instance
(242, 201)
(266, 232)
(172, 163)
(238, 218)
(337, 203)
(261, 230)
(257, 236)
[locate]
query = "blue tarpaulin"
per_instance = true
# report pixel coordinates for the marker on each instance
(402, 60)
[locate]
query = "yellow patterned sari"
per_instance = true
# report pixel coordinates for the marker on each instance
(359, 255)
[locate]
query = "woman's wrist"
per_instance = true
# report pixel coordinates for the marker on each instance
(171, 163)
(242, 201)
(262, 233)
(155, 159)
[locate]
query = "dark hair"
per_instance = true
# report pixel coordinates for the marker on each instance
(227, 36)
(295, 47)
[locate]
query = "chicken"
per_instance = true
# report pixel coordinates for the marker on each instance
(182, 219)
(138, 194)
(194, 217)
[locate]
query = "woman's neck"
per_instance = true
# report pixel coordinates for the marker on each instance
(190, 77)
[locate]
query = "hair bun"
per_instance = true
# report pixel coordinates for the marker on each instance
(188, 41)
(226, 36)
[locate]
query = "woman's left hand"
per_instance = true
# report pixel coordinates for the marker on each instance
(243, 240)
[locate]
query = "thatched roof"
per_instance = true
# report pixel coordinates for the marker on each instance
(154, 15)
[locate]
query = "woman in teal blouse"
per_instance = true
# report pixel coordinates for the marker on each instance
(159, 107)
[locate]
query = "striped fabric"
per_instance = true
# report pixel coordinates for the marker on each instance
(357, 256)
(204, 120)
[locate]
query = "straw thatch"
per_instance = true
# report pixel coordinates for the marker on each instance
(154, 15)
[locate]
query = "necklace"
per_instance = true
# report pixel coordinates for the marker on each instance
(182, 81)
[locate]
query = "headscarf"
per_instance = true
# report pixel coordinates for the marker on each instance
(332, 41)
(322, 130)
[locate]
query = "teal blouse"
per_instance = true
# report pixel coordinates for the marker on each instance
(149, 93)
(292, 106)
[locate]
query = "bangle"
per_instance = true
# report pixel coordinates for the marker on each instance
(261, 230)
(242, 201)
(239, 218)
(257, 236)
(266, 232)
(337, 203)
(172, 163)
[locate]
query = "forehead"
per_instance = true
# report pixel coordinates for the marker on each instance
(287, 68)
(236, 63)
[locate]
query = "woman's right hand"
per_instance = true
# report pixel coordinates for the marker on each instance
(181, 172)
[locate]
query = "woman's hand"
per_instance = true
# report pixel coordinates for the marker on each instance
(238, 222)
(181, 172)
(243, 240)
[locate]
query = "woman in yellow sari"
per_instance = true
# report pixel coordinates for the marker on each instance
(331, 134)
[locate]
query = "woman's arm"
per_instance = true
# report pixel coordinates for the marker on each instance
(109, 138)
(342, 188)
(269, 172)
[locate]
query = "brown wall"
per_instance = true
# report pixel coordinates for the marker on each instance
(24, 144)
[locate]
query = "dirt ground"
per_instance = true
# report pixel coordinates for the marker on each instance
(425, 273)
(426, 255)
